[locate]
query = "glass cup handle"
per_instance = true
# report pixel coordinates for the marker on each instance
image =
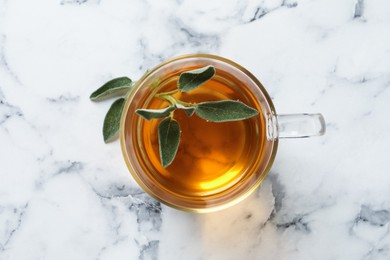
(295, 126)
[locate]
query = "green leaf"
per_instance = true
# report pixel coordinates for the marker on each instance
(188, 110)
(112, 120)
(192, 79)
(113, 88)
(155, 113)
(168, 138)
(225, 110)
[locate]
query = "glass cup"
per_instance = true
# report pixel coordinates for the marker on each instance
(269, 128)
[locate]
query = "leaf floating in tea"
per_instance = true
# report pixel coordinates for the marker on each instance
(112, 120)
(192, 79)
(224, 111)
(113, 88)
(188, 110)
(168, 138)
(155, 113)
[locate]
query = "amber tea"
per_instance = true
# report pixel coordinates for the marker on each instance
(216, 164)
(212, 157)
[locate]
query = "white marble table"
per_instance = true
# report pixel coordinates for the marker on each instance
(64, 194)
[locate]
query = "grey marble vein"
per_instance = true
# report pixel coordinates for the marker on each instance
(12, 229)
(78, 2)
(64, 99)
(8, 110)
(298, 223)
(359, 8)
(263, 11)
(373, 217)
(149, 251)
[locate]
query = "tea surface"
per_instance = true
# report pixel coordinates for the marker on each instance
(212, 156)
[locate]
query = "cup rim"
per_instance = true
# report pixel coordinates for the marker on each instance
(139, 181)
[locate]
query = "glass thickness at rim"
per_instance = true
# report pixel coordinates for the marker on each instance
(235, 199)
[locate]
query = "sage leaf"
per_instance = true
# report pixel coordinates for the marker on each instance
(113, 88)
(112, 120)
(224, 111)
(168, 138)
(155, 113)
(188, 110)
(192, 79)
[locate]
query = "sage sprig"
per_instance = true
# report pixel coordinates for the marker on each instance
(118, 87)
(168, 138)
(113, 88)
(224, 111)
(112, 120)
(155, 113)
(192, 79)
(169, 128)
(213, 111)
